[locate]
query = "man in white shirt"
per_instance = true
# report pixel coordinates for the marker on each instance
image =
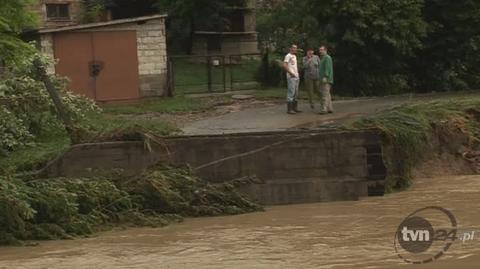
(293, 80)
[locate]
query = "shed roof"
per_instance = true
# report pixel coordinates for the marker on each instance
(101, 24)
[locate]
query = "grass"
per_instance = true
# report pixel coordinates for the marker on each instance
(112, 119)
(160, 105)
(246, 71)
(102, 124)
(409, 132)
(50, 145)
(53, 143)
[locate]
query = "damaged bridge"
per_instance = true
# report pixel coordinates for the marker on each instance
(284, 167)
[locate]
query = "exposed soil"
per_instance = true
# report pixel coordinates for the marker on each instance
(445, 165)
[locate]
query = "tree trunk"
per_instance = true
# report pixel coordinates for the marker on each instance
(57, 100)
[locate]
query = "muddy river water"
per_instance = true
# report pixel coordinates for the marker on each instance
(357, 234)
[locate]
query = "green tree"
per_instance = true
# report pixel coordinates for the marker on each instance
(450, 56)
(186, 16)
(92, 9)
(372, 40)
(14, 18)
(369, 39)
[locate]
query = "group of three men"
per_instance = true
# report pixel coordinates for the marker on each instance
(318, 77)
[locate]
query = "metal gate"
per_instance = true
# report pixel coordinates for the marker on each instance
(244, 71)
(213, 73)
(100, 65)
(198, 74)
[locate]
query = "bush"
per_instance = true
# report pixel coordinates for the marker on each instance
(62, 208)
(13, 132)
(14, 209)
(270, 72)
(27, 110)
(383, 47)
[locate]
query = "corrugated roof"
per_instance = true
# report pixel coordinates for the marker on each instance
(101, 24)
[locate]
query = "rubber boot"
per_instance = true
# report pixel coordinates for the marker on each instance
(295, 107)
(290, 108)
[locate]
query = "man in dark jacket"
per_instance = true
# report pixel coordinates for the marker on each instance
(311, 65)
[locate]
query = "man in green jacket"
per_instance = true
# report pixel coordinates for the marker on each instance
(326, 80)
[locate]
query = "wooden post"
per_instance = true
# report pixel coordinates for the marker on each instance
(170, 78)
(209, 73)
(231, 71)
(224, 74)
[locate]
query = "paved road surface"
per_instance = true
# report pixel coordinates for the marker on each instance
(274, 118)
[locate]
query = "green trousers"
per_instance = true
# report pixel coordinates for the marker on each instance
(326, 102)
(313, 86)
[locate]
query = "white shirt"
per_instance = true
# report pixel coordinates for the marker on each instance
(291, 60)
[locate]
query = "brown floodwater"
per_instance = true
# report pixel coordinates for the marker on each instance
(357, 234)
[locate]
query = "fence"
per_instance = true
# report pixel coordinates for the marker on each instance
(244, 71)
(214, 73)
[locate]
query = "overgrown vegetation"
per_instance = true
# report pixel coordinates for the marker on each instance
(93, 10)
(63, 208)
(186, 16)
(13, 20)
(28, 111)
(383, 47)
(160, 105)
(415, 132)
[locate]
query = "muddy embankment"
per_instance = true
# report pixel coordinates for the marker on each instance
(141, 179)
(428, 140)
(453, 148)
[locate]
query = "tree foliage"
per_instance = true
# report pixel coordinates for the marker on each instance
(186, 16)
(14, 18)
(66, 207)
(27, 110)
(383, 46)
(450, 56)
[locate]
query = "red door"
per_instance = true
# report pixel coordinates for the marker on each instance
(100, 65)
(118, 79)
(74, 52)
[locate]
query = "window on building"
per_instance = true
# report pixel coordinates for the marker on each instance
(58, 11)
(237, 21)
(214, 44)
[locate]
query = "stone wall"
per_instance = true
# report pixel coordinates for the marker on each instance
(46, 47)
(152, 58)
(250, 18)
(230, 44)
(293, 167)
